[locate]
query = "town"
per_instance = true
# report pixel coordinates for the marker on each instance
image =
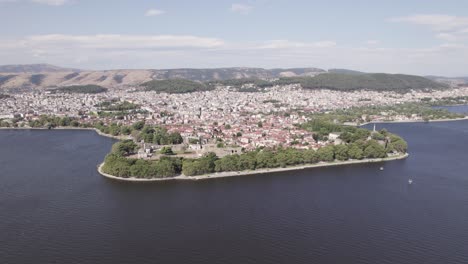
(224, 118)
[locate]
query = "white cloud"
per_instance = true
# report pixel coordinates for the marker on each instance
(241, 8)
(51, 2)
(286, 44)
(447, 36)
(436, 22)
(282, 44)
(372, 42)
(121, 41)
(324, 44)
(172, 51)
(154, 12)
(445, 27)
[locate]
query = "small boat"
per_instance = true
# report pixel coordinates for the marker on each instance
(381, 168)
(410, 181)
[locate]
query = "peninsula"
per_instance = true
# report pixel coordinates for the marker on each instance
(148, 153)
(339, 145)
(195, 124)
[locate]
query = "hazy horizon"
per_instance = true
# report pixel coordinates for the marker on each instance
(229, 67)
(398, 37)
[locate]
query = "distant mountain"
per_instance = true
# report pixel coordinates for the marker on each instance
(41, 76)
(345, 71)
(434, 77)
(366, 81)
(22, 77)
(277, 73)
(400, 83)
(233, 73)
(34, 68)
(452, 81)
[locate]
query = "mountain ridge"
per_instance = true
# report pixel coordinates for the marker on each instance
(39, 78)
(34, 68)
(16, 78)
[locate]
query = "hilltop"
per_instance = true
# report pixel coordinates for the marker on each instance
(366, 81)
(452, 81)
(39, 76)
(34, 68)
(345, 71)
(347, 81)
(15, 78)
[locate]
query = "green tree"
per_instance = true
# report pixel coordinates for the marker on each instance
(117, 165)
(138, 125)
(203, 165)
(266, 159)
(346, 137)
(310, 156)
(210, 159)
(166, 151)
(377, 136)
(355, 152)
(75, 123)
(125, 130)
(360, 134)
(165, 168)
(227, 163)
(248, 161)
(398, 144)
(114, 129)
(326, 153)
(341, 152)
(64, 122)
(140, 169)
(125, 148)
(175, 138)
(374, 150)
(189, 167)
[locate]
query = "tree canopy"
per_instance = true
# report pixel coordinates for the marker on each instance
(176, 86)
(82, 89)
(125, 148)
(365, 81)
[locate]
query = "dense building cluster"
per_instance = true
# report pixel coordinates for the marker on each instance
(224, 115)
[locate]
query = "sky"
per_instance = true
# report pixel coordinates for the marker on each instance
(424, 37)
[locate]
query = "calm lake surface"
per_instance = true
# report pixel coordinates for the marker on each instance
(55, 207)
(461, 109)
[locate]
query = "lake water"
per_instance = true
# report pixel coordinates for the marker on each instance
(55, 207)
(461, 109)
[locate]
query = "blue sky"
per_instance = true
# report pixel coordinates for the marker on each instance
(417, 37)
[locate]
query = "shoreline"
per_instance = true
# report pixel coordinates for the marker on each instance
(129, 137)
(414, 121)
(217, 175)
(230, 173)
